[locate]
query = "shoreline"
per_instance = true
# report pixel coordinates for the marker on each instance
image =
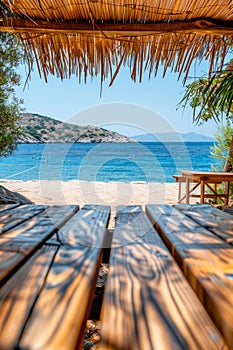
(88, 192)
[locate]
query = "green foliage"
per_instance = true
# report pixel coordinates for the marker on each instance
(33, 132)
(52, 128)
(69, 135)
(220, 150)
(211, 98)
(11, 56)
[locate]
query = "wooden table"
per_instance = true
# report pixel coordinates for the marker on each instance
(205, 180)
(49, 262)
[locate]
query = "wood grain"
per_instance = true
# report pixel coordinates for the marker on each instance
(205, 179)
(13, 255)
(148, 303)
(42, 26)
(59, 316)
(19, 243)
(92, 219)
(15, 216)
(206, 260)
(207, 176)
(4, 207)
(18, 295)
(43, 225)
(213, 219)
(8, 262)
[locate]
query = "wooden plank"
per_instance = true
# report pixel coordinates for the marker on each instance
(15, 216)
(209, 177)
(226, 192)
(4, 207)
(19, 294)
(180, 178)
(229, 210)
(8, 262)
(148, 303)
(12, 256)
(59, 316)
(43, 225)
(92, 219)
(206, 260)
(18, 244)
(41, 26)
(215, 220)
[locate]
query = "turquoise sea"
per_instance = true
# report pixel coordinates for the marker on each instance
(127, 162)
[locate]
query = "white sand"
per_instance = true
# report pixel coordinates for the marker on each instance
(82, 192)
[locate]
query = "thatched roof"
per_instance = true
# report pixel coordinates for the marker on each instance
(90, 37)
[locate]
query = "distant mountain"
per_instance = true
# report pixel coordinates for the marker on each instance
(173, 137)
(41, 129)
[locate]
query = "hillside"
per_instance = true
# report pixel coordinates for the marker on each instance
(41, 129)
(173, 137)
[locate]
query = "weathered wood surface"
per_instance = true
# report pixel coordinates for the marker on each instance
(148, 303)
(202, 25)
(215, 220)
(206, 260)
(43, 225)
(13, 255)
(88, 227)
(19, 294)
(205, 179)
(15, 216)
(60, 312)
(207, 176)
(4, 207)
(19, 243)
(47, 280)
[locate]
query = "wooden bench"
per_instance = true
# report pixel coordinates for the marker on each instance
(46, 303)
(148, 303)
(181, 179)
(49, 262)
(213, 219)
(205, 259)
(209, 181)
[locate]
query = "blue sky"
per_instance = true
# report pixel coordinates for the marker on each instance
(65, 99)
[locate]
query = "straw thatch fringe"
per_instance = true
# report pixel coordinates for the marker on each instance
(83, 55)
(100, 52)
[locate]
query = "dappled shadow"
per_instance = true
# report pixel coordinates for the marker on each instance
(205, 259)
(147, 300)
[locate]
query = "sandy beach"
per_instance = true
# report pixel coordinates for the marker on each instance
(102, 193)
(82, 192)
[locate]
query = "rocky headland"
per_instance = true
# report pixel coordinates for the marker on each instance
(41, 129)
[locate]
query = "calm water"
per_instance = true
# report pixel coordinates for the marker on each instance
(149, 162)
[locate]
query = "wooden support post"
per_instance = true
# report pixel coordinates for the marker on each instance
(187, 190)
(227, 187)
(202, 191)
(215, 192)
